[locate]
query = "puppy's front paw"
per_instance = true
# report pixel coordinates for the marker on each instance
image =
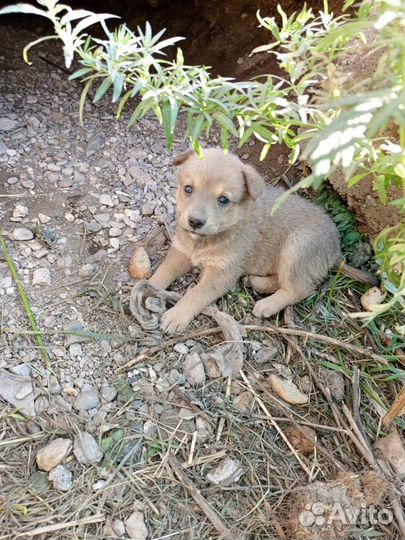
(175, 320)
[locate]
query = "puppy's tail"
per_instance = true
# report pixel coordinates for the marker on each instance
(358, 275)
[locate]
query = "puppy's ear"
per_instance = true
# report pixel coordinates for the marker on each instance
(181, 158)
(253, 180)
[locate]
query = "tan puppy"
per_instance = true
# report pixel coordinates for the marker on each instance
(225, 226)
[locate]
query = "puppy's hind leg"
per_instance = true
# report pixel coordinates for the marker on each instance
(276, 302)
(263, 284)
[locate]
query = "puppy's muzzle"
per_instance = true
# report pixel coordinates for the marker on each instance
(196, 223)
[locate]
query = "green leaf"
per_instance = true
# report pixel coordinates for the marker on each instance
(122, 102)
(80, 73)
(225, 139)
(102, 89)
(32, 44)
(118, 85)
(83, 98)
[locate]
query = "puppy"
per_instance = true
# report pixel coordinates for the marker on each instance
(225, 226)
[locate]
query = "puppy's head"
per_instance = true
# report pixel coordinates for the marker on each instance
(214, 193)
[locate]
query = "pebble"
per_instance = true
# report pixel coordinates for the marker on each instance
(118, 527)
(181, 348)
(108, 393)
(265, 354)
(114, 232)
(140, 266)
(287, 391)
(5, 282)
(75, 349)
(51, 455)
(371, 298)
(86, 270)
(22, 234)
(87, 399)
(53, 385)
(193, 369)
(41, 276)
(135, 526)
(43, 218)
(227, 472)
(243, 401)
(66, 182)
(61, 478)
(6, 124)
(12, 180)
(86, 450)
(106, 200)
(74, 326)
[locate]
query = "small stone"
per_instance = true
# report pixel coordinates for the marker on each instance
(115, 243)
(391, 450)
(22, 234)
(6, 124)
(20, 211)
(21, 369)
(87, 399)
(86, 450)
(61, 478)
(265, 354)
(44, 218)
(193, 369)
(108, 393)
(204, 429)
(41, 404)
(28, 184)
(106, 200)
(86, 270)
(118, 527)
(53, 454)
(228, 471)
(66, 182)
(75, 349)
(11, 386)
(140, 266)
(149, 429)
(53, 385)
(12, 180)
(243, 401)
(372, 297)
(287, 391)
(181, 348)
(148, 209)
(302, 439)
(74, 326)
(114, 232)
(5, 282)
(42, 276)
(135, 526)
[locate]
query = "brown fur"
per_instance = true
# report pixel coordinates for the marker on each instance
(286, 254)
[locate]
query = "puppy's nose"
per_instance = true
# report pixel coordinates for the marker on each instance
(196, 223)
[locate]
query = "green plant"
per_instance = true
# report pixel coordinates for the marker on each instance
(328, 121)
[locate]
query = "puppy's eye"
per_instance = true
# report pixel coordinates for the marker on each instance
(188, 189)
(223, 201)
